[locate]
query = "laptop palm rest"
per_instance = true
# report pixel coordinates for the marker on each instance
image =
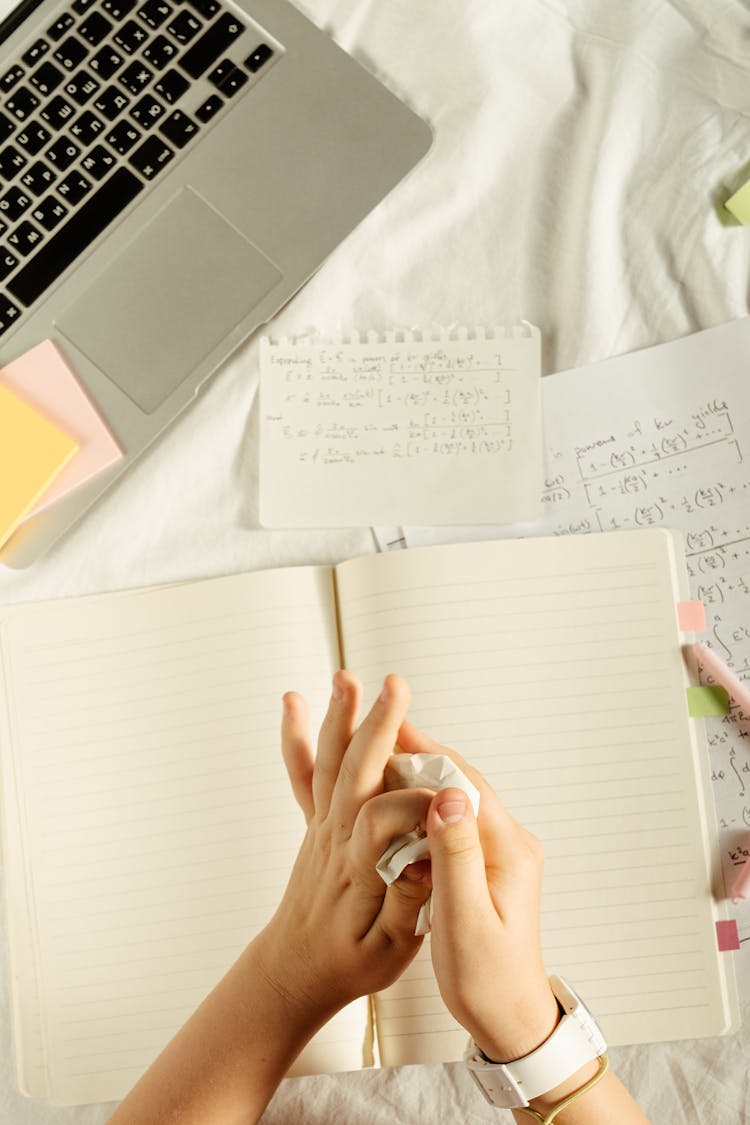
(168, 299)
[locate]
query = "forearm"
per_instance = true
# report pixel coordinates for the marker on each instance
(607, 1103)
(225, 1063)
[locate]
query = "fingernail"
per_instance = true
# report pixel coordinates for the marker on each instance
(451, 811)
(385, 693)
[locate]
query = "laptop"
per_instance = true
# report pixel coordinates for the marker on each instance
(171, 172)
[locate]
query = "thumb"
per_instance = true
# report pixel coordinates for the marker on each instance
(458, 875)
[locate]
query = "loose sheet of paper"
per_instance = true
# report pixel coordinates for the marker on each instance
(662, 438)
(444, 430)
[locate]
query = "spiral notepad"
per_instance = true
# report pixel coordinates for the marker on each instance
(418, 427)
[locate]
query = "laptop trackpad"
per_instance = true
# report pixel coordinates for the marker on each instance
(168, 299)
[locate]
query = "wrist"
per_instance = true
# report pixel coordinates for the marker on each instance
(285, 987)
(533, 1023)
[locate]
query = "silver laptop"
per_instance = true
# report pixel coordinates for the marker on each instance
(171, 172)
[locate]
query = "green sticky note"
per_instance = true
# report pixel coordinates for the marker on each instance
(710, 700)
(739, 203)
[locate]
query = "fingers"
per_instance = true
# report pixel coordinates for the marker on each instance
(380, 821)
(297, 750)
(361, 771)
(458, 866)
(336, 733)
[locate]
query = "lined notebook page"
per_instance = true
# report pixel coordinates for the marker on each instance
(157, 820)
(554, 666)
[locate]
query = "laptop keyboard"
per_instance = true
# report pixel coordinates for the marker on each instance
(93, 111)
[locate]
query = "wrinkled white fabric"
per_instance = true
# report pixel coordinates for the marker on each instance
(582, 149)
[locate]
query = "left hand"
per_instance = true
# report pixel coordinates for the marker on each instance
(339, 932)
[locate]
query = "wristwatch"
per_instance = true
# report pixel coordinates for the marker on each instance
(576, 1040)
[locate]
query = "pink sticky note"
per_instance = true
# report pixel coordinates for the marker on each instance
(691, 616)
(727, 935)
(44, 380)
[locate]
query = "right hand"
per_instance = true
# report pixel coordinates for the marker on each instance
(486, 877)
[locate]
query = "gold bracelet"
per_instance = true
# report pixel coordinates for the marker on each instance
(603, 1067)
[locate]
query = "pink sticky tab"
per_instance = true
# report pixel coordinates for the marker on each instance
(691, 616)
(727, 935)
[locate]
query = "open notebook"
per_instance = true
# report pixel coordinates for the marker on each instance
(149, 827)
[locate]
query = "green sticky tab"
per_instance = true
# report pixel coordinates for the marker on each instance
(710, 700)
(739, 203)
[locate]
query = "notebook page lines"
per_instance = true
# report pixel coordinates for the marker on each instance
(158, 816)
(562, 683)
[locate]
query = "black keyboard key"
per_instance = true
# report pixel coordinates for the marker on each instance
(82, 6)
(46, 78)
(82, 87)
(209, 108)
(220, 72)
(233, 82)
(49, 213)
(35, 52)
(6, 127)
(118, 9)
(8, 263)
(160, 52)
(14, 203)
(98, 162)
(74, 188)
(95, 28)
(71, 53)
(81, 229)
(9, 314)
(171, 86)
(205, 8)
(60, 26)
(123, 136)
(10, 78)
(62, 153)
(151, 157)
(11, 162)
(184, 27)
(147, 111)
(155, 12)
(33, 137)
(58, 112)
(106, 62)
(260, 55)
(178, 128)
(111, 102)
(25, 238)
(38, 178)
(211, 44)
(22, 103)
(131, 37)
(87, 127)
(135, 77)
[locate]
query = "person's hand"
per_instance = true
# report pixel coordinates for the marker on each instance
(486, 875)
(339, 931)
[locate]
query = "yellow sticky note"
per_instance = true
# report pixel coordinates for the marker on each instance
(739, 203)
(32, 453)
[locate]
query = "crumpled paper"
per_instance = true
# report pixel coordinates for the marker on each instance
(419, 771)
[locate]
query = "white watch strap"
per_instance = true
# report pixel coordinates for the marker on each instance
(575, 1041)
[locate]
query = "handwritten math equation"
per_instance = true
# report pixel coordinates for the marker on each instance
(394, 405)
(688, 470)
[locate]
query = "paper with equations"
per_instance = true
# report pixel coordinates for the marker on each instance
(436, 428)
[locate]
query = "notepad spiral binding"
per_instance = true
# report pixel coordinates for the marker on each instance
(455, 333)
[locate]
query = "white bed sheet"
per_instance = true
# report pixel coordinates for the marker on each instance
(582, 149)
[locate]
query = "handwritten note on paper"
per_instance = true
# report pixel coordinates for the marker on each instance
(662, 438)
(418, 429)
